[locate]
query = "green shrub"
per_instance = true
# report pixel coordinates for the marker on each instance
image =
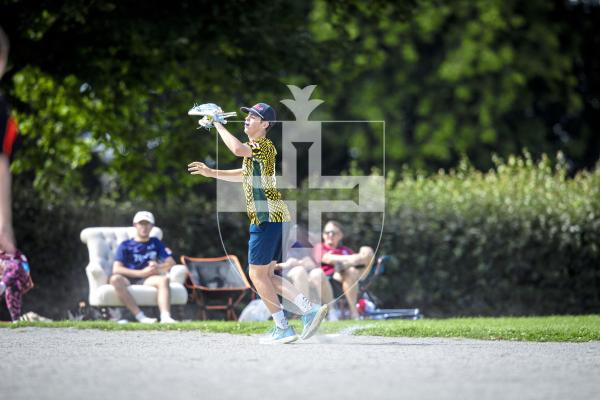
(520, 239)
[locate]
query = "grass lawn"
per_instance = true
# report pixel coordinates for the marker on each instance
(540, 329)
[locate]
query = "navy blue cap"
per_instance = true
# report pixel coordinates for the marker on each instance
(263, 110)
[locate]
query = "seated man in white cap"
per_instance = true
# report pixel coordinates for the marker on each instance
(143, 260)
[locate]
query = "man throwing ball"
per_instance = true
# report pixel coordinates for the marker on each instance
(269, 219)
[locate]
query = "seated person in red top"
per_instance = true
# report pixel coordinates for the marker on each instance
(341, 264)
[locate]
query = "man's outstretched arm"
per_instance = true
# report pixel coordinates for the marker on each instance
(230, 175)
(237, 148)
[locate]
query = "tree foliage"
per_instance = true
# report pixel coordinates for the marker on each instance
(101, 88)
(469, 78)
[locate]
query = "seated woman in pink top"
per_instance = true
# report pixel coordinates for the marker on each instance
(341, 264)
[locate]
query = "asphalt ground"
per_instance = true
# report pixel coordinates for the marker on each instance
(52, 363)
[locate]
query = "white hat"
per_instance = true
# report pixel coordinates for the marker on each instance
(143, 216)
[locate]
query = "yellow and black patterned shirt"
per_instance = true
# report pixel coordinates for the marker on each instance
(263, 200)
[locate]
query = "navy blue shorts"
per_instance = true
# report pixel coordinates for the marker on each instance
(267, 242)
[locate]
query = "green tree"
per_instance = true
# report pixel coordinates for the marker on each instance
(472, 78)
(101, 88)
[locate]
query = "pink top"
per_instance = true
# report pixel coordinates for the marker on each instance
(322, 249)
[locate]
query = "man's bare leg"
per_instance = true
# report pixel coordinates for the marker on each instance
(161, 283)
(299, 278)
(120, 283)
(261, 277)
(318, 280)
(350, 279)
(282, 286)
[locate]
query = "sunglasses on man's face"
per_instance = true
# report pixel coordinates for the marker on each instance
(333, 233)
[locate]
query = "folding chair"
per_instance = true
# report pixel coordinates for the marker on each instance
(217, 283)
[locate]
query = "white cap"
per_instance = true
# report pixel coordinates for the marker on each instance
(143, 216)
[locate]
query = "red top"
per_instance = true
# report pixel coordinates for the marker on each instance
(322, 249)
(8, 129)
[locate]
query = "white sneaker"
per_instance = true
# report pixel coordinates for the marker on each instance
(167, 320)
(147, 320)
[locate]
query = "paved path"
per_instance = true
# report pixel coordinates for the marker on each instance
(64, 364)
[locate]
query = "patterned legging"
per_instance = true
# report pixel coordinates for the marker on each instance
(17, 282)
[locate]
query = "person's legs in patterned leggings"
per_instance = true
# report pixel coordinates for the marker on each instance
(16, 281)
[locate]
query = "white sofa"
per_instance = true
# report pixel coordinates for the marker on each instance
(102, 243)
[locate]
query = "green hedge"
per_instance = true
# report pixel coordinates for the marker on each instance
(521, 239)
